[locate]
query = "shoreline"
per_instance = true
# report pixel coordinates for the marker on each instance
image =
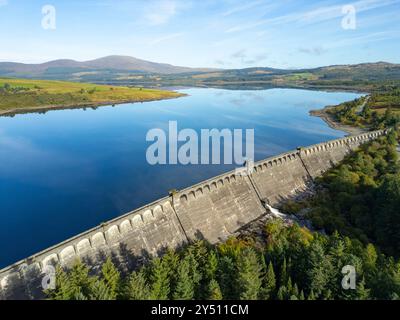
(45, 109)
(334, 124)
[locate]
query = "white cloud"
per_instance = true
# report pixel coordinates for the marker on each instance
(3, 3)
(160, 12)
(368, 38)
(314, 16)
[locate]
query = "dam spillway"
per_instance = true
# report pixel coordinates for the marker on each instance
(212, 210)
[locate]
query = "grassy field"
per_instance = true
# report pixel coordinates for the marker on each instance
(23, 95)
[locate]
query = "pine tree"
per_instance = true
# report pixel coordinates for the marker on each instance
(111, 278)
(370, 257)
(137, 287)
(302, 295)
(171, 261)
(160, 284)
(64, 289)
(79, 279)
(212, 265)
(395, 296)
(269, 283)
(282, 293)
(194, 268)
(319, 270)
(79, 296)
(227, 278)
(101, 291)
(184, 289)
(362, 292)
(249, 276)
(214, 291)
(283, 274)
(311, 296)
(289, 285)
(295, 290)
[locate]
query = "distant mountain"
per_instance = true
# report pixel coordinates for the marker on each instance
(125, 70)
(363, 71)
(113, 64)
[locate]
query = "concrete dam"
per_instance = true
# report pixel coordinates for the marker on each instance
(212, 210)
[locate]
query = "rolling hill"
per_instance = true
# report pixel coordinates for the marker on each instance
(129, 71)
(22, 95)
(65, 68)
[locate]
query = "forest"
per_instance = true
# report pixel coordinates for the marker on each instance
(286, 263)
(380, 110)
(360, 197)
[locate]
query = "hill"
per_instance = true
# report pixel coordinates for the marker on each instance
(129, 71)
(68, 69)
(17, 95)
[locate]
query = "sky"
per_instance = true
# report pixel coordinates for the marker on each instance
(203, 33)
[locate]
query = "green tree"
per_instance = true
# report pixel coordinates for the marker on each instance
(137, 287)
(80, 281)
(283, 274)
(160, 284)
(63, 289)
(249, 274)
(184, 289)
(319, 268)
(269, 283)
(212, 265)
(388, 214)
(171, 262)
(214, 290)
(101, 291)
(227, 278)
(311, 296)
(282, 293)
(111, 278)
(362, 292)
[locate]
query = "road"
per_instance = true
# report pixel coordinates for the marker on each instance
(361, 107)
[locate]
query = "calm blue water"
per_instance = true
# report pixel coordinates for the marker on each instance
(66, 171)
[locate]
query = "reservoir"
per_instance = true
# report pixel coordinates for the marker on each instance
(66, 171)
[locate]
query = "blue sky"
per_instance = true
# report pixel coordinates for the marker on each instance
(204, 33)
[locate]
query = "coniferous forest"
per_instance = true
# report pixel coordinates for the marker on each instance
(289, 263)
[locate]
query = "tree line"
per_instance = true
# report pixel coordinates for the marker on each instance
(286, 263)
(360, 197)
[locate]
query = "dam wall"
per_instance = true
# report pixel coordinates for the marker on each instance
(320, 157)
(281, 177)
(217, 208)
(146, 231)
(212, 210)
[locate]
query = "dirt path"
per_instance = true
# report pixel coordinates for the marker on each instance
(361, 107)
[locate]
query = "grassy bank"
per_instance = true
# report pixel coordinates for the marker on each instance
(381, 109)
(18, 95)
